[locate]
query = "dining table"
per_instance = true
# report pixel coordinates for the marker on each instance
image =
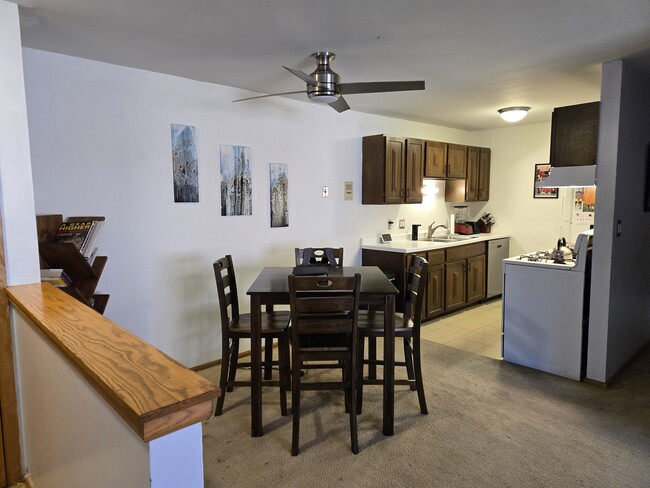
(271, 287)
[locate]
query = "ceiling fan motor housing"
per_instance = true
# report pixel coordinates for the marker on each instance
(327, 90)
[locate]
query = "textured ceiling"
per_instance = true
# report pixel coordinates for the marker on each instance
(476, 56)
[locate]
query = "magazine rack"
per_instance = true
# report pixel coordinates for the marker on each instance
(64, 255)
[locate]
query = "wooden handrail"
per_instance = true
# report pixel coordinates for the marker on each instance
(154, 394)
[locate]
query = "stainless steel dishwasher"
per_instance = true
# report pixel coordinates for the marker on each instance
(498, 250)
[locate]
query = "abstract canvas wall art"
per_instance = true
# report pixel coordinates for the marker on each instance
(236, 181)
(279, 181)
(185, 163)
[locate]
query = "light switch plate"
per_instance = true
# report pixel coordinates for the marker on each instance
(347, 190)
(325, 192)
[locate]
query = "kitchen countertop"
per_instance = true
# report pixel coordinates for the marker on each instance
(403, 244)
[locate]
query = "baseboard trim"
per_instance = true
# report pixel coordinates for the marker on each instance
(217, 362)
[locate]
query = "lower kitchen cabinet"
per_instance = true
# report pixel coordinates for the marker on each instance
(455, 292)
(476, 278)
(435, 299)
(456, 276)
(465, 274)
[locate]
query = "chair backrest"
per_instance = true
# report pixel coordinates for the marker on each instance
(224, 273)
(320, 256)
(321, 306)
(416, 284)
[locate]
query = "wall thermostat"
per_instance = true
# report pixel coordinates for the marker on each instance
(385, 238)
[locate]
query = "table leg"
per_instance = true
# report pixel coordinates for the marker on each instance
(256, 367)
(372, 357)
(389, 365)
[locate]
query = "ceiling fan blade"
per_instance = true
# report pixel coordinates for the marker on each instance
(302, 75)
(340, 105)
(270, 95)
(379, 86)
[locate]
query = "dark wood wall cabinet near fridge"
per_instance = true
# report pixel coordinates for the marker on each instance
(392, 170)
(443, 160)
(574, 135)
(65, 255)
(476, 186)
(456, 275)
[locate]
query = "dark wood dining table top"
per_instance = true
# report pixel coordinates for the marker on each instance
(274, 280)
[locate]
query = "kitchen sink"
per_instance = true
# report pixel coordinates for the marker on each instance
(448, 238)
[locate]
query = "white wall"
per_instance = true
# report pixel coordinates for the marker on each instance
(620, 308)
(100, 138)
(533, 223)
(16, 192)
(61, 417)
(74, 438)
(101, 145)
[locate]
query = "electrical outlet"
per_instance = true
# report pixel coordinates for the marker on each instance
(583, 218)
(325, 192)
(402, 223)
(347, 190)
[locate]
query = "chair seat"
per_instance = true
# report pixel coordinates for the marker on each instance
(273, 323)
(372, 322)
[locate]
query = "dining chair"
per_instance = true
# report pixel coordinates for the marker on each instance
(236, 326)
(327, 256)
(407, 326)
(323, 332)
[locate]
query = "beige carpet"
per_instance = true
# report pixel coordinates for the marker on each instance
(491, 424)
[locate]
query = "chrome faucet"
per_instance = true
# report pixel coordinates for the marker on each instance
(431, 229)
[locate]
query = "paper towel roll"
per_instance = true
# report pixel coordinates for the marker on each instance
(452, 224)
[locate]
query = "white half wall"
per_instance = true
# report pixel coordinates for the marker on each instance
(72, 437)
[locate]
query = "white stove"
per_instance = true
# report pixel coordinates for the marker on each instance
(582, 252)
(546, 309)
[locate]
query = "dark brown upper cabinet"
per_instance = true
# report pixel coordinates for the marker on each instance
(414, 168)
(476, 186)
(574, 135)
(392, 170)
(444, 160)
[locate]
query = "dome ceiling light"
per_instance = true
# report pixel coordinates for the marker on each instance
(513, 114)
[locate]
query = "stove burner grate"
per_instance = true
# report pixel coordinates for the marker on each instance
(544, 257)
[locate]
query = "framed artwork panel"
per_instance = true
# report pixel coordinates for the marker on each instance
(541, 172)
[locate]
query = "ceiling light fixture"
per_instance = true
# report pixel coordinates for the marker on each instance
(513, 114)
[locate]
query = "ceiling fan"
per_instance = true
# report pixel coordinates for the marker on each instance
(324, 86)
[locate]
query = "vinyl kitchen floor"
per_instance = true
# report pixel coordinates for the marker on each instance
(476, 330)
